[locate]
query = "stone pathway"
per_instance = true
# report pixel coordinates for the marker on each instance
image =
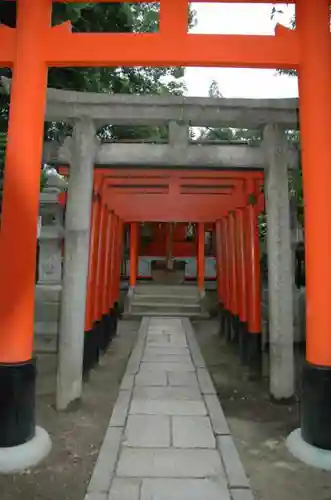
(168, 438)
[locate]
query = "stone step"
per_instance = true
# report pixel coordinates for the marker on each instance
(160, 308)
(180, 290)
(164, 314)
(167, 299)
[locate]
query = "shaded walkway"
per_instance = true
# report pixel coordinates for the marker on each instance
(168, 438)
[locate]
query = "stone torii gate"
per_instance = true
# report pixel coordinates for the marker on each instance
(30, 49)
(274, 156)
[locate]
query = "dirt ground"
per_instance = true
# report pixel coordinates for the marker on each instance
(259, 426)
(77, 435)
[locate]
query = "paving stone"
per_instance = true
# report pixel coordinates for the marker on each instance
(183, 379)
(169, 462)
(166, 358)
(205, 382)
(178, 341)
(127, 382)
(166, 367)
(151, 379)
(181, 393)
(96, 496)
(158, 340)
(216, 415)
(233, 467)
(167, 407)
(242, 494)
(175, 351)
(184, 489)
(192, 432)
(104, 468)
(147, 431)
(120, 410)
(125, 489)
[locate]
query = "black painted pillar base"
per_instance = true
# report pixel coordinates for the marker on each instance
(91, 348)
(220, 312)
(254, 354)
(227, 325)
(243, 341)
(105, 337)
(316, 406)
(235, 329)
(17, 403)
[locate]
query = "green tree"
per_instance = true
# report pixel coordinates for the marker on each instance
(115, 17)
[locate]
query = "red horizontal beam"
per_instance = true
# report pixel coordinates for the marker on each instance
(183, 176)
(63, 48)
(165, 208)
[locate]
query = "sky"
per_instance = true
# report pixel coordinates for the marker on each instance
(254, 19)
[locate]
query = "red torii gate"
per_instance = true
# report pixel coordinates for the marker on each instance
(34, 46)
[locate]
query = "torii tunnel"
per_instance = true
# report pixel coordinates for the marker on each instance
(230, 200)
(30, 49)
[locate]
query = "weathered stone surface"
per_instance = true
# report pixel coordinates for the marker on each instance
(242, 495)
(127, 382)
(151, 379)
(120, 409)
(167, 407)
(104, 468)
(125, 489)
(183, 379)
(180, 393)
(165, 447)
(216, 414)
(96, 496)
(136, 462)
(168, 349)
(166, 358)
(147, 431)
(166, 367)
(233, 467)
(205, 382)
(192, 432)
(184, 489)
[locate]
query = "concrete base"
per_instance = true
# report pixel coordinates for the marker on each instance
(308, 454)
(24, 456)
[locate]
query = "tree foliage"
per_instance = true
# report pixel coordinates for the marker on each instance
(102, 18)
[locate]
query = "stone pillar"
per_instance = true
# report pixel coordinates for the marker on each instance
(178, 135)
(77, 228)
(280, 273)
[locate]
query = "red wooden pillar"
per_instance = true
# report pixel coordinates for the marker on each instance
(114, 259)
(313, 28)
(119, 256)
(91, 332)
(254, 327)
(18, 234)
(219, 270)
(234, 276)
(100, 281)
(201, 257)
(227, 279)
(107, 281)
(133, 255)
(242, 280)
(93, 255)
